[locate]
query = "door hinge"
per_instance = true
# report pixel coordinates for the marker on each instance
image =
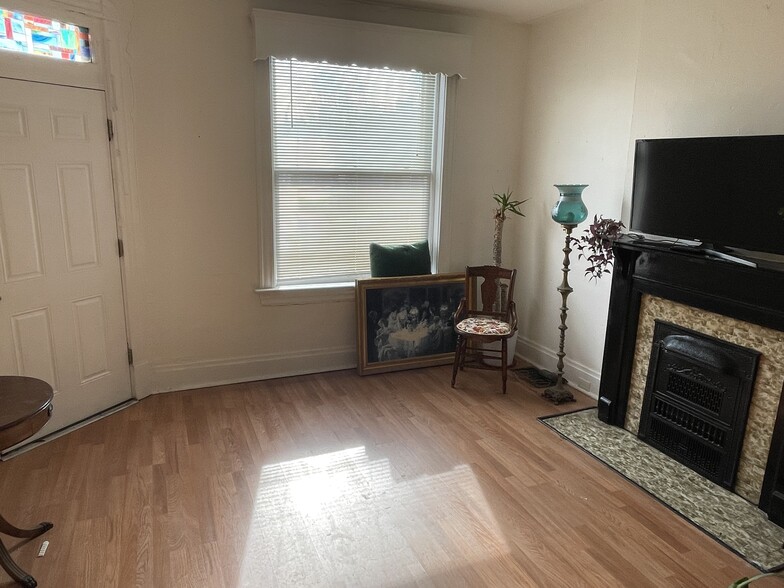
(110, 128)
(130, 356)
(120, 248)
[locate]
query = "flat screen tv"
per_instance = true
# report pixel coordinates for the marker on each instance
(725, 192)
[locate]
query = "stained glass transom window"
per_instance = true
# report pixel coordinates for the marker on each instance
(27, 33)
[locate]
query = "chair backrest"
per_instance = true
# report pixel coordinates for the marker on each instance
(492, 289)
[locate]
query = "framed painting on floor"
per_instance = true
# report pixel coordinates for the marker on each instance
(406, 322)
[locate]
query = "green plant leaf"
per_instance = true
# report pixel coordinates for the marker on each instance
(595, 245)
(506, 204)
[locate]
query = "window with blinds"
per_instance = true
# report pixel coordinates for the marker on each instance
(354, 161)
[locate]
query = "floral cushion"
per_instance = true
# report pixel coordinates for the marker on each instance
(483, 326)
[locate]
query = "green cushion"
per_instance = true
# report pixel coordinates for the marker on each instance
(399, 260)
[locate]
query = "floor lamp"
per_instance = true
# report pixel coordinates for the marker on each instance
(569, 212)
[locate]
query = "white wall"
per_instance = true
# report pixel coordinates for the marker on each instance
(710, 68)
(558, 101)
(195, 257)
(601, 76)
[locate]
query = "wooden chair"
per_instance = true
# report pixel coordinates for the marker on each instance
(484, 318)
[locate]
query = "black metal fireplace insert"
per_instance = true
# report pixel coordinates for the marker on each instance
(697, 400)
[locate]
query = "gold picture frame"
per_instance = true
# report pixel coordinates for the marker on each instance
(407, 322)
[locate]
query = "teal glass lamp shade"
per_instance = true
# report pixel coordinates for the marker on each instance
(570, 209)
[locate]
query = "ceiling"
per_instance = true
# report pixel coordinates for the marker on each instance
(517, 10)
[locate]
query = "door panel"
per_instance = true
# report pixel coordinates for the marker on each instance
(61, 306)
(34, 345)
(20, 240)
(76, 201)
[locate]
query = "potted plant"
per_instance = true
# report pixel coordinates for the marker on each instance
(505, 205)
(595, 246)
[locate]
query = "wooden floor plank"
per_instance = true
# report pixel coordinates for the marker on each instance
(337, 480)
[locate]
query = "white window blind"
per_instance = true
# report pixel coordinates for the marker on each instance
(353, 162)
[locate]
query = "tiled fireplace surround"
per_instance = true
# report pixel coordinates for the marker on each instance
(767, 385)
(733, 303)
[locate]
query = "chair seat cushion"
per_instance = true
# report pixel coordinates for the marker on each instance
(483, 326)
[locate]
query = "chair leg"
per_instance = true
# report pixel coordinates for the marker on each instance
(503, 364)
(456, 363)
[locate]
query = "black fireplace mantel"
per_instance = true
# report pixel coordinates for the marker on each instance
(754, 295)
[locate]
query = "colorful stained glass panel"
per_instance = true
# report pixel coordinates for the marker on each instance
(27, 33)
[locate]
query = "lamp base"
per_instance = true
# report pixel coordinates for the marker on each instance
(558, 394)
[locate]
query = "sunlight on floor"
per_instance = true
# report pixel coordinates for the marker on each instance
(343, 518)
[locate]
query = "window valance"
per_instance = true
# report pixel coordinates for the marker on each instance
(288, 35)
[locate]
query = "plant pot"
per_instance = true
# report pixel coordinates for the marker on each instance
(494, 360)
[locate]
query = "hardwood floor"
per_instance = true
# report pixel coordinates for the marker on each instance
(336, 480)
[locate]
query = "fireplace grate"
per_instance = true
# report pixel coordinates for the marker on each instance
(699, 393)
(698, 456)
(691, 422)
(696, 400)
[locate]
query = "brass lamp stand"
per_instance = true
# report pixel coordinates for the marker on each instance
(558, 393)
(569, 212)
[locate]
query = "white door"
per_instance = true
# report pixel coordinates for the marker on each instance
(61, 302)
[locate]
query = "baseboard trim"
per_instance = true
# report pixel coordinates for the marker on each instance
(579, 375)
(187, 375)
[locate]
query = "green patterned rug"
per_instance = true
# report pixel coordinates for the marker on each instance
(725, 516)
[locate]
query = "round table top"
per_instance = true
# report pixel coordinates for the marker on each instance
(20, 398)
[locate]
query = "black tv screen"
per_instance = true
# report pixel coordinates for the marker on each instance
(727, 192)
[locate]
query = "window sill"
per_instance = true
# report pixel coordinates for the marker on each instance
(306, 294)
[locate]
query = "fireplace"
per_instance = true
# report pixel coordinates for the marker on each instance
(697, 399)
(738, 305)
